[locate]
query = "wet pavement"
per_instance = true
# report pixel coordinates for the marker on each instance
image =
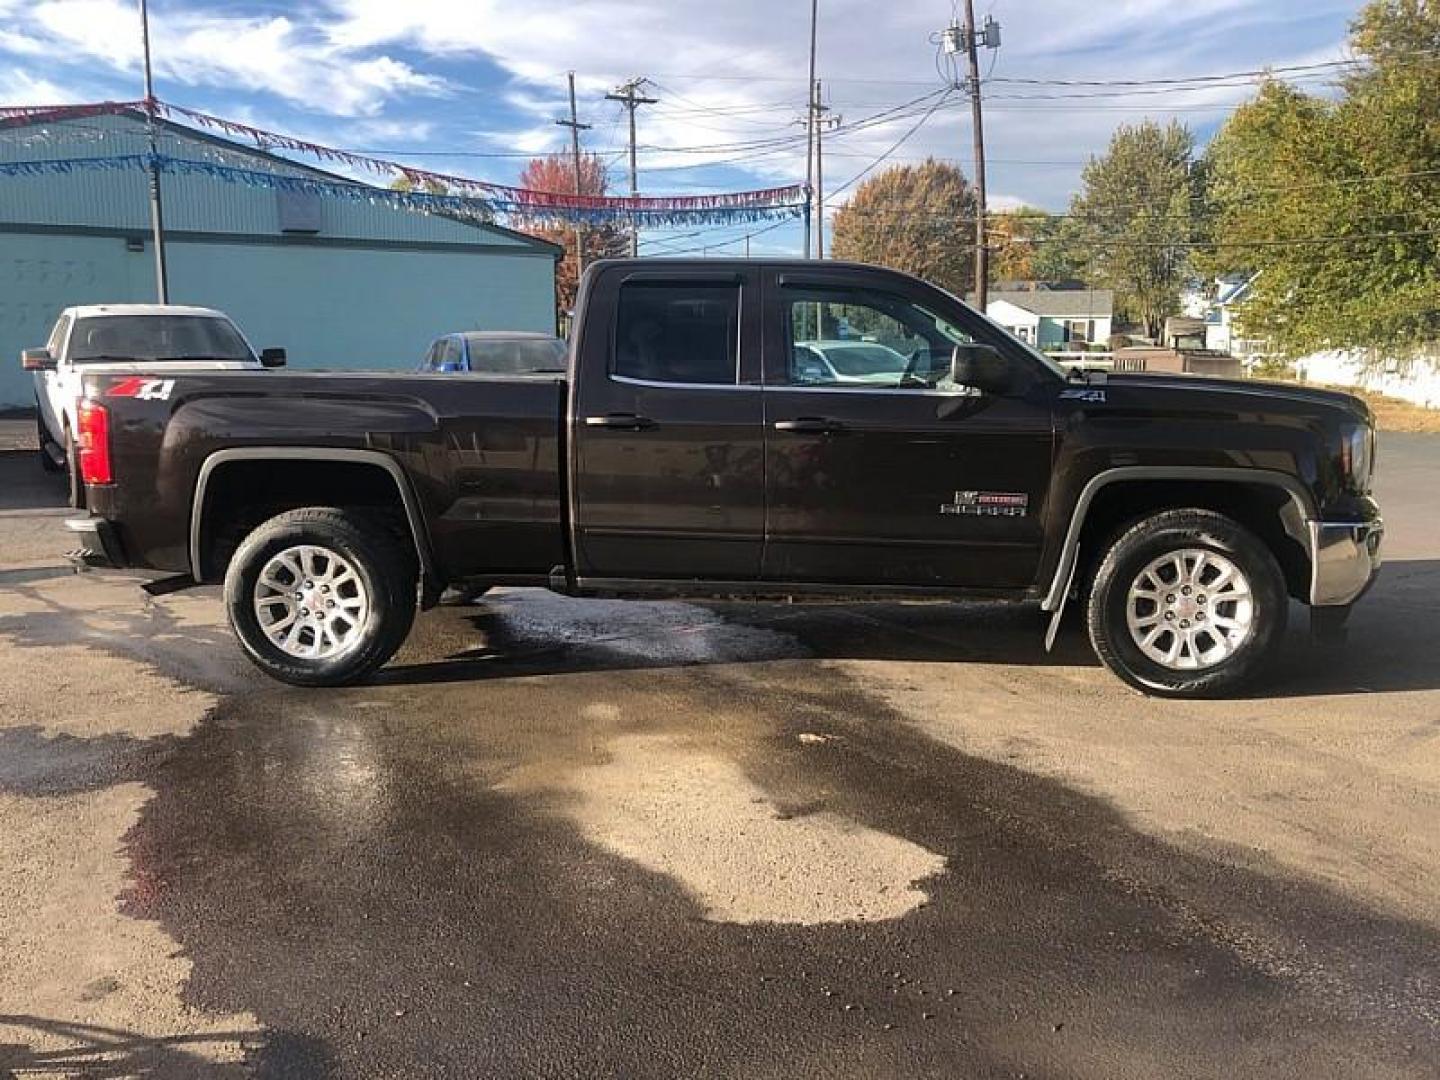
(560, 838)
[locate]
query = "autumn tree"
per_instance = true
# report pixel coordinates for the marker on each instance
(915, 218)
(1131, 227)
(1335, 202)
(556, 173)
(1027, 244)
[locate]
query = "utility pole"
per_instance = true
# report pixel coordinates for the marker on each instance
(575, 128)
(821, 123)
(157, 213)
(810, 126)
(954, 39)
(629, 95)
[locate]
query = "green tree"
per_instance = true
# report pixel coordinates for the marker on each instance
(916, 218)
(1337, 203)
(1131, 227)
(426, 187)
(1026, 244)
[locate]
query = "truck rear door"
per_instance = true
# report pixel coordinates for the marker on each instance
(875, 477)
(668, 458)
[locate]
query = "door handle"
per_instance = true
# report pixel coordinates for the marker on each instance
(620, 422)
(810, 425)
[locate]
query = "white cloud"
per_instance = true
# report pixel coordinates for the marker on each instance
(732, 75)
(271, 54)
(729, 76)
(23, 88)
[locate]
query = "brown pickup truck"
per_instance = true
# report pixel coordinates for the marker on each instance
(745, 429)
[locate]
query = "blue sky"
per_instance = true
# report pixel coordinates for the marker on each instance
(473, 86)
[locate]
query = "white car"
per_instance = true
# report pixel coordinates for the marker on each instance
(846, 362)
(121, 338)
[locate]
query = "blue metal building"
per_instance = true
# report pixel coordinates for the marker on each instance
(340, 283)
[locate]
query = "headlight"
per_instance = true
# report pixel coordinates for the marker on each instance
(1357, 456)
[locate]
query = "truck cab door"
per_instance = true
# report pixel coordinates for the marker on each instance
(880, 470)
(668, 450)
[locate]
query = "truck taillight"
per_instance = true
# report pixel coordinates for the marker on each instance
(93, 441)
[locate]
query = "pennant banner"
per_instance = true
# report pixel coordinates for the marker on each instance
(464, 191)
(490, 208)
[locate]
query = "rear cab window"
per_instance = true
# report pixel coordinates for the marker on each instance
(680, 333)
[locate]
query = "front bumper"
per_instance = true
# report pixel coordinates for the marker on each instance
(1345, 556)
(99, 546)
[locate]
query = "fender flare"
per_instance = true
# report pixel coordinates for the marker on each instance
(413, 514)
(1296, 517)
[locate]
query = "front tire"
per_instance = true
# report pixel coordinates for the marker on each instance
(1188, 604)
(321, 596)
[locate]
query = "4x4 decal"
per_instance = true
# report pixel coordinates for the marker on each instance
(142, 388)
(1095, 397)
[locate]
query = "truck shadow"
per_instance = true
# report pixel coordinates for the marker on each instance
(526, 632)
(25, 486)
(1393, 639)
(378, 882)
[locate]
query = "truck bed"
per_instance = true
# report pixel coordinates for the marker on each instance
(481, 454)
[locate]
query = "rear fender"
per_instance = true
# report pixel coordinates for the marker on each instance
(430, 579)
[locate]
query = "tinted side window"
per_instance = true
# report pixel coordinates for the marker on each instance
(678, 333)
(451, 357)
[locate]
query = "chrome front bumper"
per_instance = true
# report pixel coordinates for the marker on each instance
(1344, 557)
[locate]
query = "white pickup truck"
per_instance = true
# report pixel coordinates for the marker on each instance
(120, 338)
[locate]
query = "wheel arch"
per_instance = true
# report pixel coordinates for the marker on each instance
(1271, 504)
(380, 470)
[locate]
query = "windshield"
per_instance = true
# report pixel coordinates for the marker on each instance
(157, 337)
(516, 356)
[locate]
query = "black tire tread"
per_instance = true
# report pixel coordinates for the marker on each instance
(1192, 527)
(368, 538)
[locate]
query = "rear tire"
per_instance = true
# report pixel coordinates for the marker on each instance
(1187, 604)
(345, 557)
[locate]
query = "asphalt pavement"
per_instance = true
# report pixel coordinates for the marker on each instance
(582, 838)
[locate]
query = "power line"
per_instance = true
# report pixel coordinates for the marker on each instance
(1265, 71)
(630, 95)
(893, 147)
(736, 240)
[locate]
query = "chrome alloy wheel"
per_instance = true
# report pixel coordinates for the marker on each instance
(1190, 609)
(311, 603)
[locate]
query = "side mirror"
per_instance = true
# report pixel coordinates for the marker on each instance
(37, 360)
(272, 357)
(982, 368)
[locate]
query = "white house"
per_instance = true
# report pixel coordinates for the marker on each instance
(1057, 320)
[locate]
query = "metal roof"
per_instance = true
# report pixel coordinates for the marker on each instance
(199, 204)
